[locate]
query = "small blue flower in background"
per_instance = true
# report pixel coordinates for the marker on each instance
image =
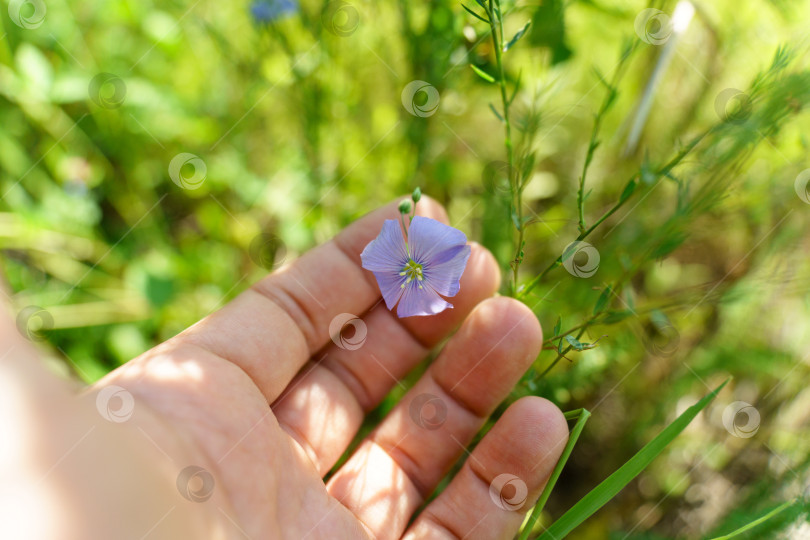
(416, 272)
(267, 11)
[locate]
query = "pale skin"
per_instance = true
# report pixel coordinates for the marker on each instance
(258, 395)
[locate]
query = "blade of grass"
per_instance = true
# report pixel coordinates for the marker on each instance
(582, 416)
(779, 509)
(613, 484)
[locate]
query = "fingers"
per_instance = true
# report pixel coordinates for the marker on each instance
(399, 465)
(325, 404)
(501, 480)
(272, 329)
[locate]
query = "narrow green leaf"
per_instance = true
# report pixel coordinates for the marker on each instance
(528, 164)
(495, 111)
(602, 79)
(520, 33)
(474, 14)
(581, 415)
(629, 301)
(483, 74)
(613, 484)
(602, 301)
(517, 87)
(557, 326)
(515, 220)
(560, 347)
(628, 190)
(575, 343)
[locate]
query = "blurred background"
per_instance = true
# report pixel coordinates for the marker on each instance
(157, 158)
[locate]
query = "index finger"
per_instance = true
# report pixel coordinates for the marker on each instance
(273, 328)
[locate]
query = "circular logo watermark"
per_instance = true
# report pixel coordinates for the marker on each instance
(653, 26)
(115, 404)
(348, 331)
(508, 492)
(340, 18)
(573, 255)
(195, 484)
(496, 178)
(32, 321)
(741, 419)
(180, 175)
(267, 251)
(420, 98)
(428, 411)
(107, 90)
(28, 14)
(802, 186)
(663, 341)
(733, 106)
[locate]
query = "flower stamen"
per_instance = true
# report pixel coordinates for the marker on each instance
(412, 270)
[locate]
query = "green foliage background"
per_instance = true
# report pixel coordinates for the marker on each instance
(703, 270)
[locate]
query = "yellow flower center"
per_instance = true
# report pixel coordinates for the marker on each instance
(412, 270)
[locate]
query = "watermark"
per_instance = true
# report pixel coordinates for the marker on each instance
(420, 98)
(573, 255)
(115, 404)
(340, 18)
(496, 178)
(267, 251)
(653, 26)
(663, 341)
(508, 492)
(180, 174)
(802, 186)
(32, 321)
(107, 90)
(28, 14)
(741, 419)
(732, 106)
(195, 484)
(428, 411)
(348, 331)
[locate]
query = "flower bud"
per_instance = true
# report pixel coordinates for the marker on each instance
(405, 207)
(417, 194)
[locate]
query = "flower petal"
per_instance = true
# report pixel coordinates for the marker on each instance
(387, 252)
(444, 276)
(429, 238)
(424, 301)
(390, 286)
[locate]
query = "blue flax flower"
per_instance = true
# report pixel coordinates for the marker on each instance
(267, 11)
(416, 272)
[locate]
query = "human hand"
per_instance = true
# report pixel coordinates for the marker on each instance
(201, 400)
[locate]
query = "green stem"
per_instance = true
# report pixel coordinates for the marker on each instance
(560, 355)
(607, 102)
(582, 416)
(517, 191)
(557, 262)
(663, 171)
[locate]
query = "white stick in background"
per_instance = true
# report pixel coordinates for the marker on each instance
(681, 17)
